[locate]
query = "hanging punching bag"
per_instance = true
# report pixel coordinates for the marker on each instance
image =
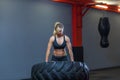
(104, 29)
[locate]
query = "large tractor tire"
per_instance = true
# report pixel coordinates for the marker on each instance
(60, 70)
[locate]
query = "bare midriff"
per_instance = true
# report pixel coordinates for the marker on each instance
(59, 52)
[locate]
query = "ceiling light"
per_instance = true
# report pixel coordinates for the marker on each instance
(102, 6)
(119, 9)
(108, 2)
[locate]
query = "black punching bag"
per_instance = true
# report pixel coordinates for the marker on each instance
(104, 29)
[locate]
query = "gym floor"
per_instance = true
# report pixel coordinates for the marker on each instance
(105, 74)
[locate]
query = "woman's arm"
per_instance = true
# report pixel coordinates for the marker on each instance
(49, 48)
(69, 48)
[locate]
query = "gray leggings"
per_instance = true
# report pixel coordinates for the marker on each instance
(59, 58)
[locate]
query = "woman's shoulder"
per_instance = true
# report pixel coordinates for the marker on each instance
(66, 38)
(52, 38)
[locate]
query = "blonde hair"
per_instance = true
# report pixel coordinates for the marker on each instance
(57, 24)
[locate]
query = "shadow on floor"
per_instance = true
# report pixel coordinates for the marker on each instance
(105, 74)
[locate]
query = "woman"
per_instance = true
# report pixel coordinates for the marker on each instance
(59, 41)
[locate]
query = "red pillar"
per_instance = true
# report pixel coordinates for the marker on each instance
(76, 26)
(77, 32)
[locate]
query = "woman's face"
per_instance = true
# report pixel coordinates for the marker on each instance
(59, 30)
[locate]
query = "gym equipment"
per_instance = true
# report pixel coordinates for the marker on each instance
(60, 70)
(104, 29)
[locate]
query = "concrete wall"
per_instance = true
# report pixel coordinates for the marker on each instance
(25, 27)
(95, 56)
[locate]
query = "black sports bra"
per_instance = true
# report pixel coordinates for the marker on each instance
(57, 46)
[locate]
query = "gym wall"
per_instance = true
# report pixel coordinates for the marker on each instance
(25, 28)
(95, 56)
